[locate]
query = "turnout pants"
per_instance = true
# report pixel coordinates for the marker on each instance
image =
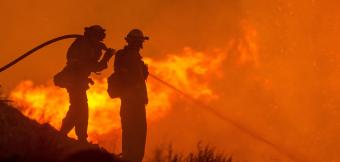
(77, 115)
(133, 119)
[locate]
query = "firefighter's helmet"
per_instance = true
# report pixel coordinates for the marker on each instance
(136, 34)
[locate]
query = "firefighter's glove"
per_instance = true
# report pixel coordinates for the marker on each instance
(108, 54)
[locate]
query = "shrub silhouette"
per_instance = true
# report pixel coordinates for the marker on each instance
(204, 153)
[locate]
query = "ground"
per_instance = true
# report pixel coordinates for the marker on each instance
(22, 139)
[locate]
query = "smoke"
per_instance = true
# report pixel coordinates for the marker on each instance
(171, 25)
(278, 75)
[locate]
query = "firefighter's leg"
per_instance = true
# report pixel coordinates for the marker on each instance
(82, 123)
(126, 131)
(133, 130)
(70, 119)
(68, 122)
(140, 130)
(82, 117)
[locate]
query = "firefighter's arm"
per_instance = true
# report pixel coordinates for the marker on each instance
(108, 54)
(119, 64)
(120, 67)
(102, 64)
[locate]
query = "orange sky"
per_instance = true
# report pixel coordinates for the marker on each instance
(291, 96)
(171, 25)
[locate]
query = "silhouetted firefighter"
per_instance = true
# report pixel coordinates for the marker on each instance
(83, 58)
(128, 83)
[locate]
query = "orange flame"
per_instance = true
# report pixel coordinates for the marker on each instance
(191, 71)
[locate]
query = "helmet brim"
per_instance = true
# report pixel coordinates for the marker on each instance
(140, 38)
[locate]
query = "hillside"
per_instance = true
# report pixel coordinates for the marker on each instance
(22, 139)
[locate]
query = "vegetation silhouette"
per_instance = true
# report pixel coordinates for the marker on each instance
(203, 153)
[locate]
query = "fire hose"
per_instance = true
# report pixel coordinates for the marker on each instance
(245, 130)
(37, 48)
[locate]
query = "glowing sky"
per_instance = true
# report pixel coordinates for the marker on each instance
(291, 95)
